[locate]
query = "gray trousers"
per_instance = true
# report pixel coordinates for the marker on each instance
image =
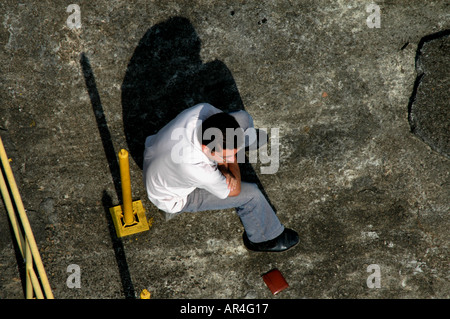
(259, 220)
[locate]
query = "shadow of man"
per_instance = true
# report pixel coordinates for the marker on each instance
(165, 76)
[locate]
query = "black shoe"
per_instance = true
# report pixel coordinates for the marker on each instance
(287, 239)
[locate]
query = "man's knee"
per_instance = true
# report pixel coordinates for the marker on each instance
(244, 119)
(250, 190)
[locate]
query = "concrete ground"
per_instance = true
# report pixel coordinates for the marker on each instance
(354, 179)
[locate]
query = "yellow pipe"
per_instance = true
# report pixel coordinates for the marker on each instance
(35, 281)
(28, 265)
(127, 204)
(12, 215)
(24, 219)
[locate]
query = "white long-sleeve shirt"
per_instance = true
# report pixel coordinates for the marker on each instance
(174, 164)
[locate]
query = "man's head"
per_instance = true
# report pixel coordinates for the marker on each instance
(221, 137)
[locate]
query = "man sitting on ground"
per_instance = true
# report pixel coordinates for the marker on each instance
(190, 165)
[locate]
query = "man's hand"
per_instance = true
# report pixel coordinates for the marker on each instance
(232, 182)
(233, 177)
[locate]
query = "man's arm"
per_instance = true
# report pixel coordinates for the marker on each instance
(232, 173)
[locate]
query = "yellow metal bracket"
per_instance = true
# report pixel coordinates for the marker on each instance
(138, 225)
(128, 218)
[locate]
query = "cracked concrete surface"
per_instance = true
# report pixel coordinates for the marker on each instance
(354, 181)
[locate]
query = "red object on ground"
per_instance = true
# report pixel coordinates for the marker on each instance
(275, 281)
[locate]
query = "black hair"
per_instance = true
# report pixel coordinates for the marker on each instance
(221, 131)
